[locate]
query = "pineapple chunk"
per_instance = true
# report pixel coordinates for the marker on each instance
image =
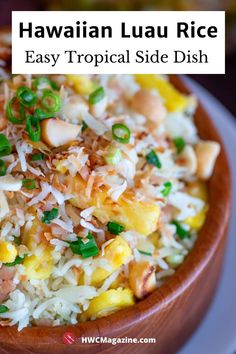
(8, 252)
(133, 215)
(82, 84)
(198, 190)
(39, 267)
(154, 238)
(173, 100)
(33, 236)
(196, 222)
(60, 167)
(108, 302)
(116, 253)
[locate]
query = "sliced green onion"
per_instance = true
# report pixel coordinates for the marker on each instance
(5, 146)
(51, 101)
(26, 96)
(85, 249)
(121, 133)
(153, 159)
(37, 157)
(12, 116)
(179, 144)
(115, 228)
(97, 95)
(33, 128)
(29, 183)
(18, 260)
(3, 309)
(181, 232)
(84, 126)
(167, 189)
(113, 156)
(49, 215)
(145, 253)
(40, 114)
(44, 81)
(3, 168)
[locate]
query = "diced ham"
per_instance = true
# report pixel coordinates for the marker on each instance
(6, 283)
(7, 273)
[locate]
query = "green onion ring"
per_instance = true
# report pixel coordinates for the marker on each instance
(51, 101)
(26, 96)
(5, 146)
(10, 115)
(33, 128)
(121, 133)
(29, 183)
(44, 80)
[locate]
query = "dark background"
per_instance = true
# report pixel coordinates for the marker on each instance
(221, 86)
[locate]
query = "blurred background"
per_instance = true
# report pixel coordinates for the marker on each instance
(221, 86)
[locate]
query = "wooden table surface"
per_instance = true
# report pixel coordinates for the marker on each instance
(221, 86)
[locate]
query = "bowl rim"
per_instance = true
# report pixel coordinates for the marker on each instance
(185, 275)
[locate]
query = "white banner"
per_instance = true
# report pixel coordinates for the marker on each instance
(121, 42)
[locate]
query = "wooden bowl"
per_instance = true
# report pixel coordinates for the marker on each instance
(171, 313)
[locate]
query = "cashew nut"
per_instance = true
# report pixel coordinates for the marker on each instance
(149, 105)
(56, 132)
(207, 153)
(189, 159)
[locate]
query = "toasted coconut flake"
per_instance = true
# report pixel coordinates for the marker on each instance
(23, 149)
(12, 166)
(89, 226)
(9, 183)
(35, 171)
(116, 192)
(4, 207)
(65, 225)
(87, 213)
(96, 125)
(46, 189)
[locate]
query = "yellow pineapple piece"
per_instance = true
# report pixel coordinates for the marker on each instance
(116, 253)
(82, 84)
(119, 281)
(32, 237)
(39, 267)
(108, 302)
(173, 99)
(196, 222)
(60, 168)
(198, 190)
(138, 216)
(154, 238)
(8, 252)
